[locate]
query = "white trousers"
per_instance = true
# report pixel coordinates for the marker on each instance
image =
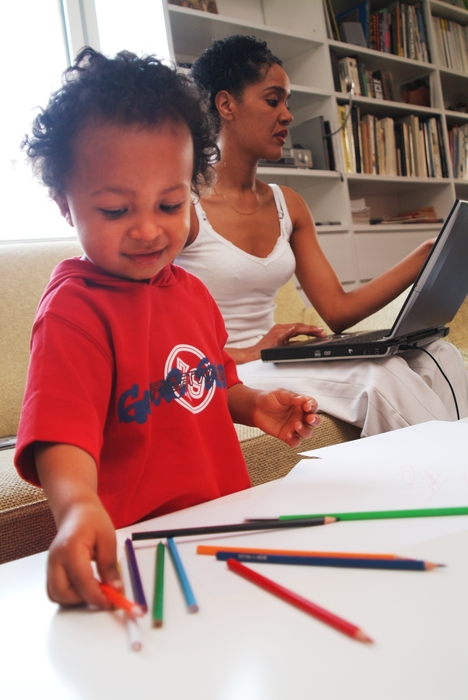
(375, 395)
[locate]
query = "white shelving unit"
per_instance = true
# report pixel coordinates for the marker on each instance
(296, 32)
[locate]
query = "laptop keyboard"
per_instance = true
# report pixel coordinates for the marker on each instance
(371, 336)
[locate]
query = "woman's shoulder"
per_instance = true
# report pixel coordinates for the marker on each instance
(294, 202)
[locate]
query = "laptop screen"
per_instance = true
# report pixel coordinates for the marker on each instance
(442, 283)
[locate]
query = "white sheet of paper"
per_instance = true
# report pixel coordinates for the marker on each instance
(423, 466)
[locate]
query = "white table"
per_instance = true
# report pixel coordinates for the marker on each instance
(245, 644)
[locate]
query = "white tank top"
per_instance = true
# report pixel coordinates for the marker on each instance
(244, 286)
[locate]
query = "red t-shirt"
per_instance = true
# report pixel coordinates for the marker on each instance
(135, 374)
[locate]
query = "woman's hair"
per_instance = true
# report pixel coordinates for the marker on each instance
(231, 64)
(124, 90)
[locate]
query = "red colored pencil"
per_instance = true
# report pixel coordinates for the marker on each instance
(120, 601)
(302, 603)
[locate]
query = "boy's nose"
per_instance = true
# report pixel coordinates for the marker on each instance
(146, 229)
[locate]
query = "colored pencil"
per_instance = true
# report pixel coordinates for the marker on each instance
(383, 514)
(236, 527)
(158, 586)
(182, 576)
(298, 601)
(131, 623)
(349, 563)
(120, 601)
(213, 549)
(137, 586)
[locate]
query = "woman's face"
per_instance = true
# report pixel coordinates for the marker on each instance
(261, 116)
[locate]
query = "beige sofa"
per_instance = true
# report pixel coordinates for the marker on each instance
(26, 524)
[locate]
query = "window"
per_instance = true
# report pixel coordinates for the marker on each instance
(33, 55)
(37, 39)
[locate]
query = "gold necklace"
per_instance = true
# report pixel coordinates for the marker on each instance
(248, 213)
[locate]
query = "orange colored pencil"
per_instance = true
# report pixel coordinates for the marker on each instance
(120, 601)
(214, 549)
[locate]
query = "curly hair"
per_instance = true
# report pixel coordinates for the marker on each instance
(231, 64)
(124, 90)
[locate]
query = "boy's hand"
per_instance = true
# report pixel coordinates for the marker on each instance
(284, 414)
(85, 534)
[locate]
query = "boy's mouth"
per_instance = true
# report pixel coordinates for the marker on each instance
(144, 258)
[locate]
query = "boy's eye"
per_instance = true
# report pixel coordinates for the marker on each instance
(170, 208)
(113, 213)
(273, 102)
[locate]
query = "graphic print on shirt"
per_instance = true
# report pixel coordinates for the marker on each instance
(190, 378)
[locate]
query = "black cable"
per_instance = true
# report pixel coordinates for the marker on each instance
(415, 347)
(350, 97)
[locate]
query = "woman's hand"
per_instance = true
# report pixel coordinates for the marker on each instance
(280, 334)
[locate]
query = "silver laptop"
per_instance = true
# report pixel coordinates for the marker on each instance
(438, 292)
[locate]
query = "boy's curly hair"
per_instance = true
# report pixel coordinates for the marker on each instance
(125, 90)
(231, 64)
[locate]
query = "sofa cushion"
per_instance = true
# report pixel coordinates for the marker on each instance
(24, 273)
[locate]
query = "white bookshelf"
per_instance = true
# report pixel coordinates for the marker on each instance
(296, 32)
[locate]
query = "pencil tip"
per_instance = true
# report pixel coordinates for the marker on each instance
(193, 608)
(361, 637)
(157, 623)
(329, 519)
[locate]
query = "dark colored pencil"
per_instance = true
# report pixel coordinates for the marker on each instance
(135, 578)
(346, 562)
(237, 527)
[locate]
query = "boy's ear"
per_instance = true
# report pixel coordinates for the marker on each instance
(62, 204)
(225, 103)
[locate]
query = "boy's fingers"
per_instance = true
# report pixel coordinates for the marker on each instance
(106, 562)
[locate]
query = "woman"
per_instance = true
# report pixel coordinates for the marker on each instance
(247, 239)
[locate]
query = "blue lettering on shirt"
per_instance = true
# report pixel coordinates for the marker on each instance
(176, 385)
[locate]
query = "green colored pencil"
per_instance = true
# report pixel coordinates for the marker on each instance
(383, 514)
(158, 586)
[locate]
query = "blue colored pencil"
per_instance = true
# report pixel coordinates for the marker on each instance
(182, 576)
(135, 578)
(354, 563)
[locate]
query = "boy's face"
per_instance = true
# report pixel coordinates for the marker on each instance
(128, 195)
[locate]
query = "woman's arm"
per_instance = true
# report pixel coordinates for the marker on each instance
(85, 532)
(338, 308)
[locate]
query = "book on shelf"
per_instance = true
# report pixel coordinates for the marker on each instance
(424, 215)
(417, 92)
(357, 142)
(458, 142)
(347, 141)
(203, 5)
(349, 73)
(333, 31)
(370, 166)
(359, 13)
(450, 44)
(378, 84)
(360, 212)
(400, 29)
(352, 33)
(408, 146)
